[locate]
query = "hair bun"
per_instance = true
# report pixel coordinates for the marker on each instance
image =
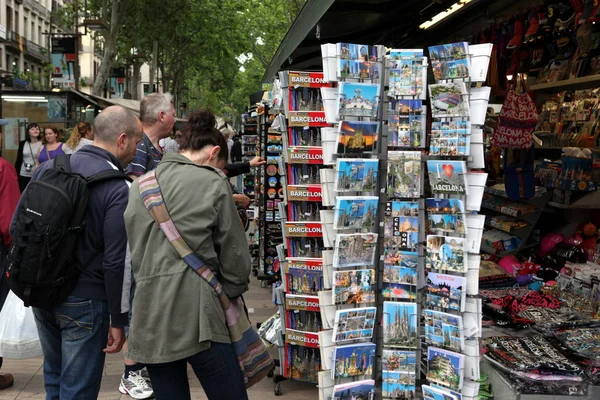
(203, 120)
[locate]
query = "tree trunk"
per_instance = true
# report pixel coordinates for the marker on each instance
(135, 80)
(110, 45)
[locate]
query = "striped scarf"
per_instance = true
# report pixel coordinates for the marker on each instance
(252, 354)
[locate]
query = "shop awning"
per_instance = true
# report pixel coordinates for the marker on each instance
(392, 23)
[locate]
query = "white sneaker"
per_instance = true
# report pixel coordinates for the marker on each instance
(135, 386)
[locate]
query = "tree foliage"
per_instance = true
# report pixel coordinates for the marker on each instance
(211, 53)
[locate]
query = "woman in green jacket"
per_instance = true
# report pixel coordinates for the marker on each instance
(178, 318)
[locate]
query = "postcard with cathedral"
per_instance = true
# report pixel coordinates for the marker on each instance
(400, 325)
(445, 254)
(354, 250)
(354, 324)
(445, 367)
(357, 61)
(401, 225)
(356, 212)
(444, 330)
(398, 385)
(358, 99)
(354, 287)
(404, 174)
(355, 390)
(400, 275)
(450, 61)
(445, 216)
(356, 175)
(304, 279)
(353, 360)
(447, 177)
(446, 292)
(357, 137)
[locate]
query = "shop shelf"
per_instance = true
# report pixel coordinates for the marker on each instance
(586, 82)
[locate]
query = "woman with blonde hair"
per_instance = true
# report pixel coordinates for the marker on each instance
(82, 135)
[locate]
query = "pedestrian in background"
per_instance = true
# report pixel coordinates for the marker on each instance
(27, 155)
(82, 135)
(53, 145)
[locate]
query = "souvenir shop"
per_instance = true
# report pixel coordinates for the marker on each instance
(428, 217)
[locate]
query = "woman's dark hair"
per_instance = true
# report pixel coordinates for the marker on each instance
(33, 125)
(200, 131)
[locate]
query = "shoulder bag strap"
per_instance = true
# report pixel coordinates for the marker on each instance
(155, 204)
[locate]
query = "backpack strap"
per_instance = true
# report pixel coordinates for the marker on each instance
(107, 175)
(152, 197)
(63, 162)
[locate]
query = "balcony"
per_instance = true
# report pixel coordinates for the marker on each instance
(35, 51)
(28, 4)
(40, 10)
(12, 40)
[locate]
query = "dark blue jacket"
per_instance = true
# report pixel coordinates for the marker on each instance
(102, 247)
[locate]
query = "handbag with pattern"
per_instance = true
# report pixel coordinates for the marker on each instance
(253, 356)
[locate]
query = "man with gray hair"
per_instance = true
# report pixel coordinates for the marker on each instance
(158, 117)
(74, 333)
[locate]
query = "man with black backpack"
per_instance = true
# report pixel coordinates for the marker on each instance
(80, 297)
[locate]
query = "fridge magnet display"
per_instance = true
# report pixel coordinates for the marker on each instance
(444, 253)
(450, 61)
(406, 74)
(356, 137)
(354, 249)
(358, 212)
(445, 216)
(398, 385)
(445, 368)
(437, 393)
(447, 177)
(401, 225)
(404, 174)
(356, 175)
(450, 138)
(447, 292)
(358, 99)
(400, 325)
(354, 390)
(354, 287)
(354, 324)
(353, 360)
(444, 330)
(449, 100)
(407, 123)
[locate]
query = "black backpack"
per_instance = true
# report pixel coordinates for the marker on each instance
(42, 269)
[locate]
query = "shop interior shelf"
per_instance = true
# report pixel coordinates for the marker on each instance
(508, 207)
(492, 251)
(586, 82)
(589, 201)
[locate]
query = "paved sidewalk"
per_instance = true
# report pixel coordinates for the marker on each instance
(29, 378)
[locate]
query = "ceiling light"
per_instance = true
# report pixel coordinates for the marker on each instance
(22, 97)
(25, 100)
(444, 14)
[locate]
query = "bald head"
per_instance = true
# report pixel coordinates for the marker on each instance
(112, 122)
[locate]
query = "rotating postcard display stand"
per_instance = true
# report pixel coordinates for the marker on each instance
(452, 312)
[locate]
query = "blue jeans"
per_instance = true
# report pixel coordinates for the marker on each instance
(73, 336)
(217, 370)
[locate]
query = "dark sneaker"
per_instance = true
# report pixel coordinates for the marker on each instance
(6, 381)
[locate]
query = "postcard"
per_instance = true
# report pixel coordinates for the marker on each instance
(437, 393)
(400, 275)
(449, 100)
(404, 174)
(358, 99)
(445, 367)
(301, 363)
(354, 324)
(444, 330)
(366, 70)
(450, 61)
(447, 292)
(358, 212)
(398, 385)
(447, 391)
(353, 360)
(401, 225)
(407, 123)
(447, 177)
(450, 138)
(400, 325)
(354, 250)
(357, 52)
(354, 287)
(356, 137)
(445, 253)
(303, 279)
(445, 216)
(356, 175)
(399, 361)
(354, 390)
(406, 74)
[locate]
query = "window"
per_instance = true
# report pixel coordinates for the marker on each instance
(33, 32)
(16, 22)
(9, 18)
(25, 27)
(40, 36)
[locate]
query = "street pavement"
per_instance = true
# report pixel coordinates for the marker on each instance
(29, 377)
